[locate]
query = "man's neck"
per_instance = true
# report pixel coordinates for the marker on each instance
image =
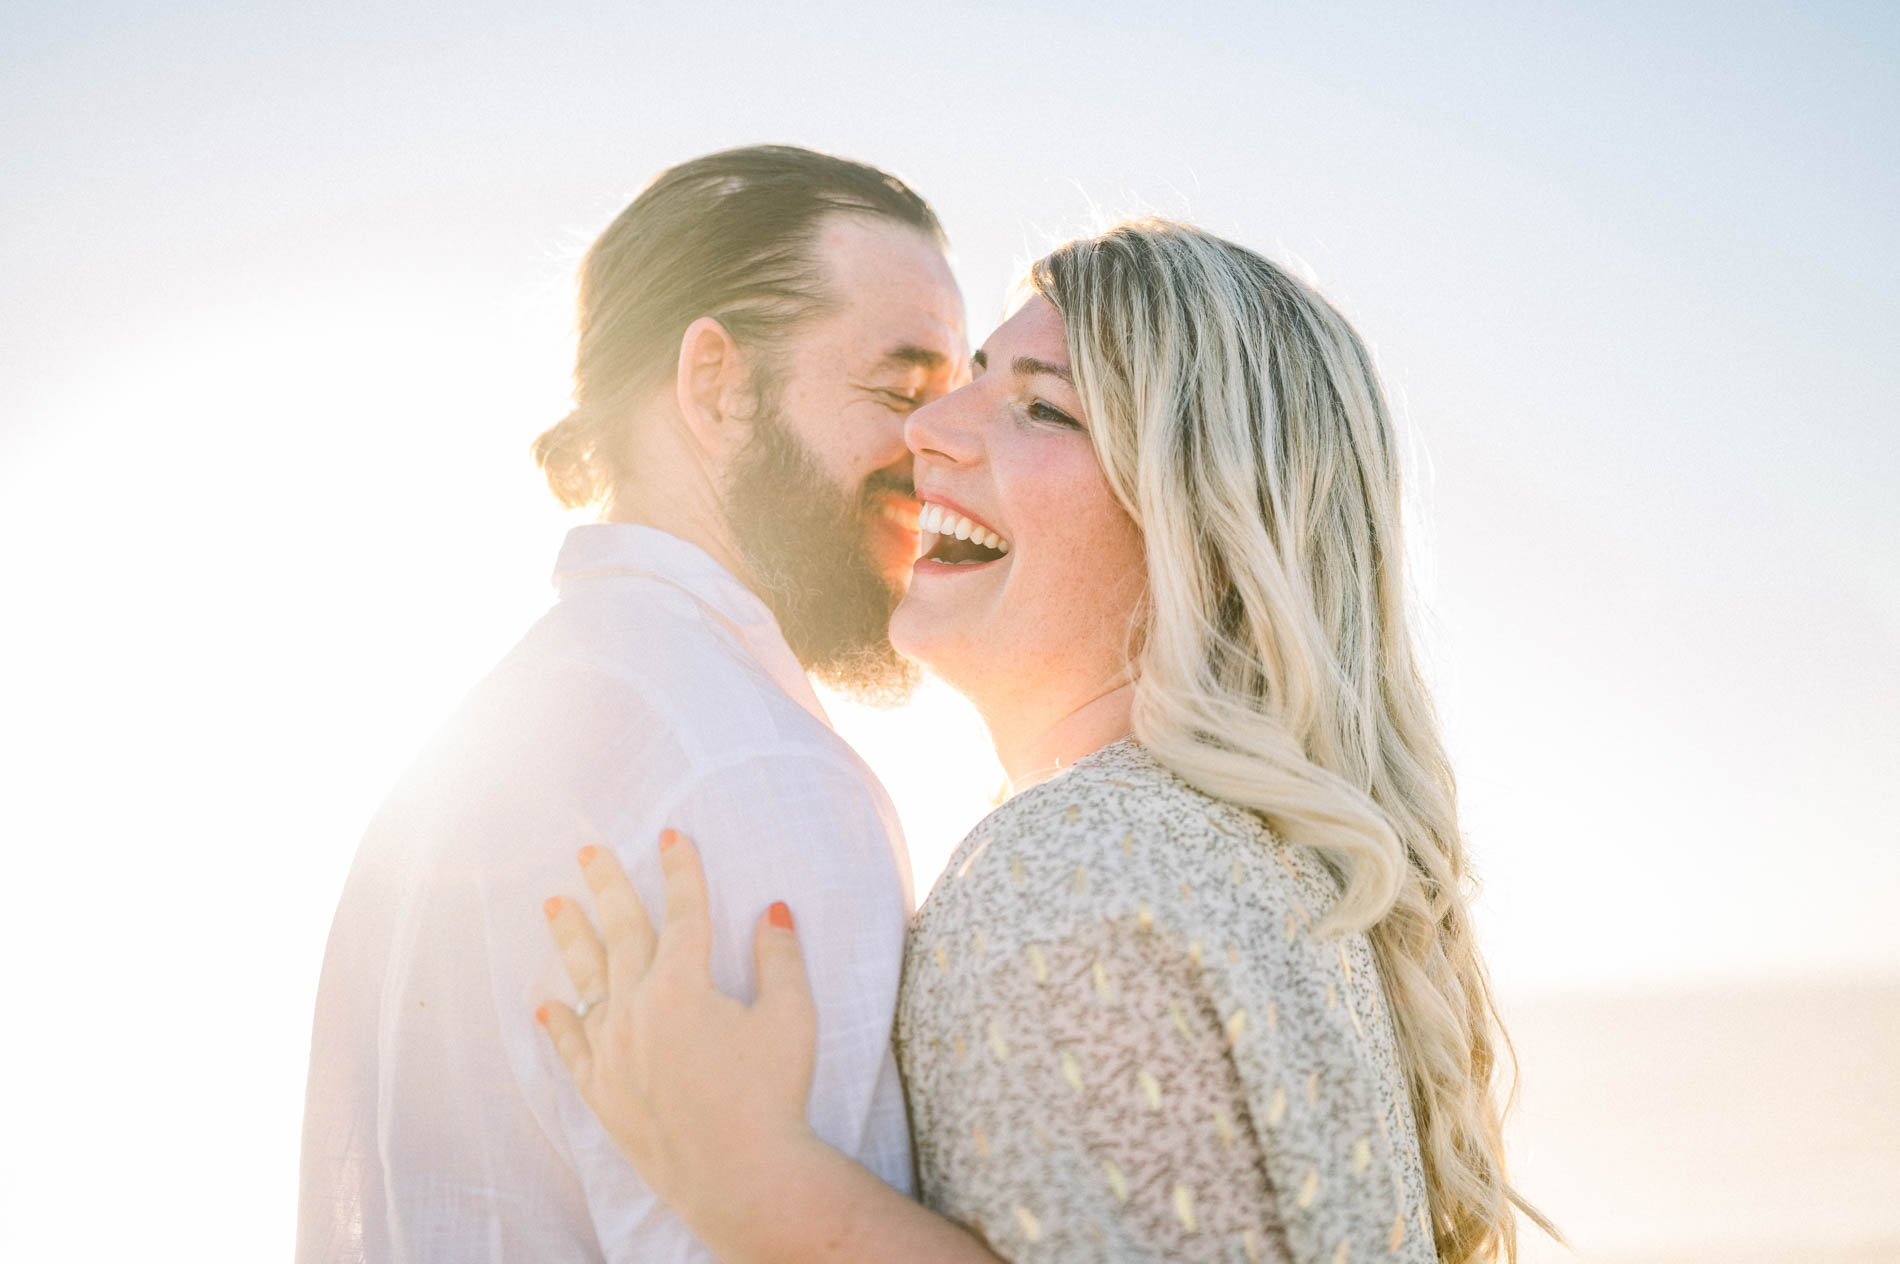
(682, 520)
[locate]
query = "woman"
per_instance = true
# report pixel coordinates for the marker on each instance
(1206, 987)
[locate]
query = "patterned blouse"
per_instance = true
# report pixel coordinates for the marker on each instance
(1122, 1041)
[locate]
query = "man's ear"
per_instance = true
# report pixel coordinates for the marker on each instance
(710, 387)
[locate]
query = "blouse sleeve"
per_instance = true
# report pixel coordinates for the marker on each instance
(1171, 1067)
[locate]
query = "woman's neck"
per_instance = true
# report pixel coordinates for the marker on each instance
(1035, 749)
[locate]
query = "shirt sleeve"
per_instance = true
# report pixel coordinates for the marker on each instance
(797, 825)
(1167, 1073)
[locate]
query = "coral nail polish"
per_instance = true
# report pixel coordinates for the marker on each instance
(541, 1015)
(586, 854)
(779, 916)
(552, 906)
(668, 837)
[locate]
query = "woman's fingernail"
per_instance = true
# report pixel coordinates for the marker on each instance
(668, 837)
(553, 905)
(587, 854)
(779, 916)
(541, 1015)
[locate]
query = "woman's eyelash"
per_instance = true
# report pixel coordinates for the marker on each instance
(1047, 412)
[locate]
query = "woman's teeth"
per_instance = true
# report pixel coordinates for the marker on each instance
(937, 520)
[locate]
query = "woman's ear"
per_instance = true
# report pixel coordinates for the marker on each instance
(710, 387)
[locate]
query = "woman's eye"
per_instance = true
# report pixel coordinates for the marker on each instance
(1040, 411)
(898, 399)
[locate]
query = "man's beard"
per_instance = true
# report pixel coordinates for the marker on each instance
(804, 546)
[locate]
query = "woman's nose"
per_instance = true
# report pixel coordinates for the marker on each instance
(941, 430)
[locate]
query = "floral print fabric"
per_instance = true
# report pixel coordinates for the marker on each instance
(1121, 1039)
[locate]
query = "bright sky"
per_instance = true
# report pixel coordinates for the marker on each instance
(287, 298)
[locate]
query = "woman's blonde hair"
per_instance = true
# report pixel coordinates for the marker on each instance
(1238, 418)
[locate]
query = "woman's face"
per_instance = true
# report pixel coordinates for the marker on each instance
(1036, 603)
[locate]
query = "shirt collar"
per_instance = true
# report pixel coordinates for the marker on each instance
(600, 549)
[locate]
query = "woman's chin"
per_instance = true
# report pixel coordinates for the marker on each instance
(907, 637)
(925, 636)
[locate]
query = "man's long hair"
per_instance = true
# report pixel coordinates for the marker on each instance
(733, 236)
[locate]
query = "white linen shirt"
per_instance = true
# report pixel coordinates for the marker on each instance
(439, 1124)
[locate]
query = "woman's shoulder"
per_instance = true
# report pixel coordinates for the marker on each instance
(1119, 835)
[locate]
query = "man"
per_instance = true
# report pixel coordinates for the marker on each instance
(754, 329)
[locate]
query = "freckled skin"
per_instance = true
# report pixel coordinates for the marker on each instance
(1045, 629)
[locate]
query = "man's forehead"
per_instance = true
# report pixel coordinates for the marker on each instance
(898, 338)
(895, 279)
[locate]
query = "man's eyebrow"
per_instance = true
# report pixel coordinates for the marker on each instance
(1026, 366)
(909, 353)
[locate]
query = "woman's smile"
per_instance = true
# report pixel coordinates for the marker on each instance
(950, 540)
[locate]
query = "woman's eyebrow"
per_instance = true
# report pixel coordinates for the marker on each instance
(1027, 366)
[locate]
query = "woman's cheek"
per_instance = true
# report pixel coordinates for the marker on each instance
(1075, 584)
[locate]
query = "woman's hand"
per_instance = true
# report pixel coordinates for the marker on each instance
(704, 1094)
